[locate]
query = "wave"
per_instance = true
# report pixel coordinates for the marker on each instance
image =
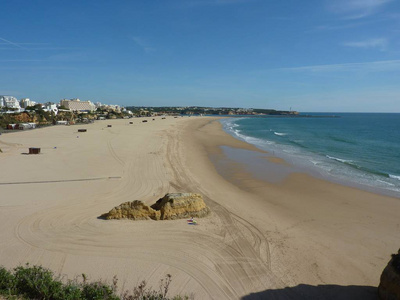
(387, 183)
(394, 176)
(280, 134)
(346, 161)
(303, 150)
(352, 164)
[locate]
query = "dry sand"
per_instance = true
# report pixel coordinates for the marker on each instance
(301, 238)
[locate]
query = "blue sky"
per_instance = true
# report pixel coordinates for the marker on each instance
(311, 55)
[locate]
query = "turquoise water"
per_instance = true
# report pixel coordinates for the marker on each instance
(358, 149)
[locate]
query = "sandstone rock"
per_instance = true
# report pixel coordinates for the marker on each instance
(135, 210)
(389, 287)
(170, 207)
(181, 205)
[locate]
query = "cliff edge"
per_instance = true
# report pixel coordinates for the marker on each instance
(389, 287)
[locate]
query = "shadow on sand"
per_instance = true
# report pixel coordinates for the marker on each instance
(329, 292)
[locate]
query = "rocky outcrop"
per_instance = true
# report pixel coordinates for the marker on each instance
(389, 287)
(135, 210)
(25, 117)
(181, 205)
(170, 207)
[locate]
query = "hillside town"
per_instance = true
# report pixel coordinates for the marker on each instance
(27, 114)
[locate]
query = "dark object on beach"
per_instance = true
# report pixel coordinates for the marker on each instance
(34, 150)
(389, 287)
(109, 125)
(144, 121)
(163, 118)
(175, 117)
(130, 122)
(82, 130)
(154, 119)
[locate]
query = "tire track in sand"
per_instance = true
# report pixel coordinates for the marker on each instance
(252, 260)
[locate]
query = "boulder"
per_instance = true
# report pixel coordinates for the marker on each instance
(181, 205)
(170, 207)
(134, 210)
(389, 287)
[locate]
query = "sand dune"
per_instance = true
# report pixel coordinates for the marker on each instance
(260, 237)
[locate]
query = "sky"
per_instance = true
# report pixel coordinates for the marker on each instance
(308, 56)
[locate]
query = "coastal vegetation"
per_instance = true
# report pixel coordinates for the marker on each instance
(36, 282)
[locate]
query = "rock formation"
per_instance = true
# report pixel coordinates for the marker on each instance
(170, 207)
(135, 210)
(181, 205)
(389, 287)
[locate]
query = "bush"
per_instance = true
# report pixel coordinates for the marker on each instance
(98, 291)
(70, 291)
(36, 282)
(6, 281)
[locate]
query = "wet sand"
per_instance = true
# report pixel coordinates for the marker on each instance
(292, 238)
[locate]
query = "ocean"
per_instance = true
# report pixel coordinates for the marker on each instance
(356, 149)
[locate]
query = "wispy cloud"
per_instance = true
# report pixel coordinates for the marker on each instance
(225, 2)
(7, 42)
(380, 43)
(339, 27)
(20, 60)
(11, 45)
(357, 9)
(36, 68)
(68, 57)
(143, 44)
(375, 66)
(215, 2)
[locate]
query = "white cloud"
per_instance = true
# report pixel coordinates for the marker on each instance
(356, 9)
(380, 43)
(375, 66)
(143, 44)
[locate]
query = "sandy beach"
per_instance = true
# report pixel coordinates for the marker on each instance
(298, 238)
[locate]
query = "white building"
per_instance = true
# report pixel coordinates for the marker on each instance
(24, 126)
(25, 102)
(51, 107)
(9, 102)
(78, 105)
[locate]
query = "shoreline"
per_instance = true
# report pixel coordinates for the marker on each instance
(300, 206)
(304, 164)
(295, 238)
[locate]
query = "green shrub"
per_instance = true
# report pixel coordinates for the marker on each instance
(36, 282)
(70, 291)
(98, 291)
(6, 282)
(6, 278)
